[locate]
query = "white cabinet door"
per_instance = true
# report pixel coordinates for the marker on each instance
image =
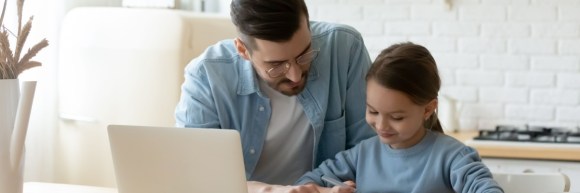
(571, 169)
(120, 66)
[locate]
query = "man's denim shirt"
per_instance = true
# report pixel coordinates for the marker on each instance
(221, 90)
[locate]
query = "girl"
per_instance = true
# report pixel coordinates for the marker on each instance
(410, 152)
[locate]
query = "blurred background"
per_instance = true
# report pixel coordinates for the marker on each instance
(503, 62)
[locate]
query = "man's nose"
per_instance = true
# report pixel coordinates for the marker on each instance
(295, 72)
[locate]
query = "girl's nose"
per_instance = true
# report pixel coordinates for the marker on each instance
(380, 124)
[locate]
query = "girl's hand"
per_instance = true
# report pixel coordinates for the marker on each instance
(342, 189)
(260, 187)
(350, 183)
(349, 188)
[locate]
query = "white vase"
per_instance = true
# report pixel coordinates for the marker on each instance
(14, 116)
(448, 111)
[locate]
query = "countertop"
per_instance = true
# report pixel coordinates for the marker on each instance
(519, 150)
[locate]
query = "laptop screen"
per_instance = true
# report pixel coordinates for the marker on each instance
(177, 160)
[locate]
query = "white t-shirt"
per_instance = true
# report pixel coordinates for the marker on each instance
(288, 149)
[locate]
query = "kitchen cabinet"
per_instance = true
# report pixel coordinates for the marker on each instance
(518, 157)
(571, 169)
(121, 66)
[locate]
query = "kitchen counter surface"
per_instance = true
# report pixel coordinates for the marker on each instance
(519, 150)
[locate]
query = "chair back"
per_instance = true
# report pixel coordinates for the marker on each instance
(532, 182)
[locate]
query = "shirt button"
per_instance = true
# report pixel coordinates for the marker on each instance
(252, 151)
(261, 108)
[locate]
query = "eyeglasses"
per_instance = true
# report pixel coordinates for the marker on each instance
(302, 60)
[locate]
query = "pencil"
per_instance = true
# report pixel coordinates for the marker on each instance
(334, 182)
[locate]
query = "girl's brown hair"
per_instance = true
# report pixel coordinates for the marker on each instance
(409, 68)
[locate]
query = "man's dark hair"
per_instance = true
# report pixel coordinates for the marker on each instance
(272, 20)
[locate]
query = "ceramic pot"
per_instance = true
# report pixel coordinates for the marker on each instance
(14, 116)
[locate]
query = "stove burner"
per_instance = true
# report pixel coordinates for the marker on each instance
(530, 134)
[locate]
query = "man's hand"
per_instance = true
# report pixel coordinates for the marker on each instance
(259, 187)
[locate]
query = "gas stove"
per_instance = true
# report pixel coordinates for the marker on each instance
(528, 142)
(534, 134)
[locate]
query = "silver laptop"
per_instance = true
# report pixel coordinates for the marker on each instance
(177, 160)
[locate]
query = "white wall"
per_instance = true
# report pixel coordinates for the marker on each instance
(42, 131)
(507, 61)
(42, 136)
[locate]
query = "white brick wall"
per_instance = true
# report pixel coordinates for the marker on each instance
(569, 81)
(569, 114)
(535, 13)
(556, 63)
(407, 28)
(532, 46)
(570, 46)
(482, 45)
(455, 61)
(506, 95)
(432, 13)
(387, 13)
(482, 13)
(479, 78)
(525, 112)
(530, 79)
(569, 13)
(505, 61)
(555, 97)
(460, 93)
(441, 45)
(454, 29)
(555, 30)
(505, 30)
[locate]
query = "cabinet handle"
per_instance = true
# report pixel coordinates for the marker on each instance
(528, 171)
(77, 118)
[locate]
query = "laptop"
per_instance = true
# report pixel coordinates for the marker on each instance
(177, 160)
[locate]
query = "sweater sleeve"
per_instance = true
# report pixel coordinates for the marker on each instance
(342, 168)
(469, 174)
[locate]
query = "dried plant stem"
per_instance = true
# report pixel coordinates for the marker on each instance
(6, 58)
(19, 7)
(22, 35)
(3, 11)
(6, 54)
(33, 51)
(3, 72)
(11, 65)
(26, 66)
(25, 63)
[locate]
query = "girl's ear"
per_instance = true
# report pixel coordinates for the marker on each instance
(430, 109)
(241, 48)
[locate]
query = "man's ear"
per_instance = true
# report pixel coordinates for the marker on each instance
(430, 108)
(241, 48)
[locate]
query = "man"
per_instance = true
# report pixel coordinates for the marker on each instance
(294, 89)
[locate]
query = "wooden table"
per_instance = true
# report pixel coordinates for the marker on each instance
(43, 187)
